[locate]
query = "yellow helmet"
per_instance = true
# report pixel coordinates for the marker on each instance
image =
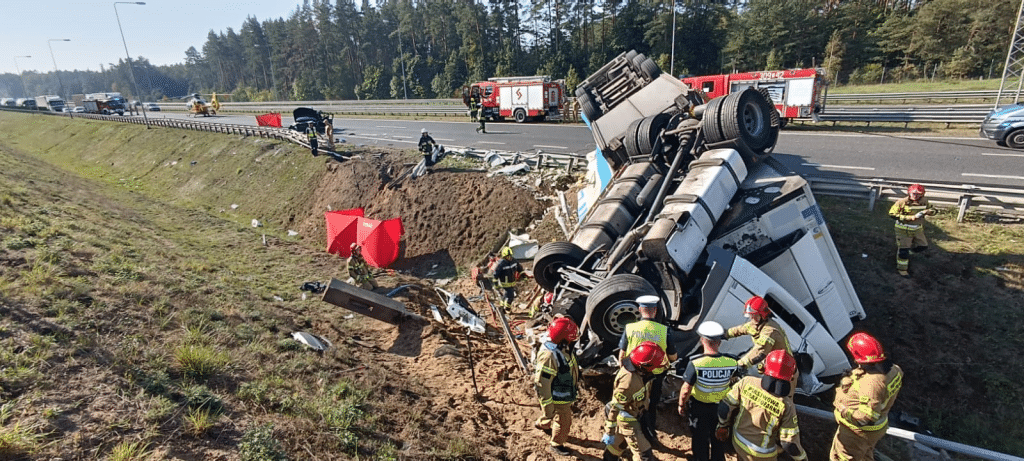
(505, 252)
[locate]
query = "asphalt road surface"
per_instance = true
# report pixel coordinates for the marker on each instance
(954, 160)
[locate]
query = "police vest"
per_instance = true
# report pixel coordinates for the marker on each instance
(713, 375)
(311, 134)
(647, 330)
(563, 386)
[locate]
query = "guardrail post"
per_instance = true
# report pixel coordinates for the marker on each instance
(571, 165)
(873, 194)
(965, 203)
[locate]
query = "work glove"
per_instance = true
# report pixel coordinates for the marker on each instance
(722, 433)
(607, 439)
(919, 215)
(741, 371)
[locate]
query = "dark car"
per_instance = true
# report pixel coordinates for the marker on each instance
(304, 116)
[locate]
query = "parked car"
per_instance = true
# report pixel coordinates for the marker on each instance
(152, 107)
(1005, 125)
(78, 109)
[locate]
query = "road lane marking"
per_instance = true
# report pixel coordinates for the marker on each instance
(550, 147)
(443, 139)
(847, 167)
(389, 126)
(498, 143)
(402, 137)
(1000, 176)
(1003, 155)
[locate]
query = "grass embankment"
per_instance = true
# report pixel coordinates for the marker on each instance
(140, 313)
(921, 86)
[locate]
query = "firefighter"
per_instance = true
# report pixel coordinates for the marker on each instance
(648, 329)
(481, 118)
(766, 334)
(863, 400)
(506, 271)
(705, 382)
(909, 213)
(630, 399)
(556, 377)
(358, 271)
(426, 146)
(474, 107)
(329, 131)
(311, 135)
(765, 424)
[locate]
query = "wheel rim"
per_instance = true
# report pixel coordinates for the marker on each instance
(619, 315)
(753, 119)
(1016, 139)
(520, 116)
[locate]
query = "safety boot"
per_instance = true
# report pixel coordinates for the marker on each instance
(609, 456)
(648, 456)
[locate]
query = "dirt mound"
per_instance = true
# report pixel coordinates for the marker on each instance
(452, 217)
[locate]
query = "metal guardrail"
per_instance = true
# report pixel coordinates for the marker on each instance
(972, 95)
(968, 114)
(963, 196)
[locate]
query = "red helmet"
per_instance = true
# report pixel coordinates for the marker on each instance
(915, 188)
(647, 356)
(779, 364)
(563, 330)
(549, 297)
(757, 305)
(865, 348)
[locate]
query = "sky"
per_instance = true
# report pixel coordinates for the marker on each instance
(160, 30)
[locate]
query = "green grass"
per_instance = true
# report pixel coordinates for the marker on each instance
(922, 86)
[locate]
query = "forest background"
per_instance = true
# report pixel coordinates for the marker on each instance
(337, 50)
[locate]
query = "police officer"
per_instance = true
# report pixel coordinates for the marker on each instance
(765, 424)
(506, 272)
(909, 213)
(311, 136)
(648, 329)
(766, 334)
(556, 376)
(863, 400)
(631, 397)
(705, 382)
(359, 270)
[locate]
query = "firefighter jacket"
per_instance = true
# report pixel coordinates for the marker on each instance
(357, 267)
(710, 376)
(556, 374)
(767, 336)
(426, 143)
(506, 271)
(764, 424)
(863, 399)
(904, 210)
(649, 330)
(630, 397)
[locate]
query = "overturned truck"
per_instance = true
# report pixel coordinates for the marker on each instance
(698, 214)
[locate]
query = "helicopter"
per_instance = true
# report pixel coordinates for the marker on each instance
(198, 106)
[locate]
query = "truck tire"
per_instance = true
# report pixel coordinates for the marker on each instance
(746, 115)
(648, 132)
(711, 124)
(552, 257)
(520, 115)
(629, 139)
(612, 305)
(588, 109)
(649, 69)
(580, 91)
(1015, 139)
(630, 55)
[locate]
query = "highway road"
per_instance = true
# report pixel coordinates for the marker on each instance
(955, 160)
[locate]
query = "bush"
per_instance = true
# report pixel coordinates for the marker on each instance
(259, 444)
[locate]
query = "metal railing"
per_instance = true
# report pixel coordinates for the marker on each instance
(944, 96)
(968, 114)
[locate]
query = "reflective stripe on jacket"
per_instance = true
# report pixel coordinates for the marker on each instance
(714, 373)
(863, 402)
(563, 371)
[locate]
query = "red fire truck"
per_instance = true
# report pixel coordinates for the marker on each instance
(520, 98)
(797, 93)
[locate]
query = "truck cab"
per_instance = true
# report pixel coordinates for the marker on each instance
(698, 214)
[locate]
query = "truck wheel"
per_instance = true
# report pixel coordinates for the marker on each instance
(1015, 139)
(747, 115)
(711, 124)
(630, 55)
(647, 134)
(552, 257)
(649, 69)
(629, 139)
(612, 304)
(588, 109)
(520, 115)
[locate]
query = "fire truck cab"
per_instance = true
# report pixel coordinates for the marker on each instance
(520, 98)
(796, 93)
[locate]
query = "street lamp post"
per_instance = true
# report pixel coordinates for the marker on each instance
(672, 62)
(130, 71)
(20, 77)
(55, 71)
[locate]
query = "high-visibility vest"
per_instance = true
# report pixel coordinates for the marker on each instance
(648, 330)
(714, 373)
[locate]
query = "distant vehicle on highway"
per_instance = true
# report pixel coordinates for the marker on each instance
(26, 103)
(8, 102)
(78, 109)
(152, 107)
(1005, 125)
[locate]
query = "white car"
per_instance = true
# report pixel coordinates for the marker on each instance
(152, 107)
(78, 109)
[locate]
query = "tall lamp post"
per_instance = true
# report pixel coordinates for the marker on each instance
(55, 71)
(130, 71)
(20, 77)
(672, 62)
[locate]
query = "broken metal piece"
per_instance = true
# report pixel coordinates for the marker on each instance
(312, 341)
(367, 303)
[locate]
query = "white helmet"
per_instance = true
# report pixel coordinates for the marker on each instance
(423, 131)
(648, 301)
(711, 330)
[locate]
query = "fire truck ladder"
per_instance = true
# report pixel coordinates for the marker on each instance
(1013, 71)
(534, 78)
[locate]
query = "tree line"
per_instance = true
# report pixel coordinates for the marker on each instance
(394, 49)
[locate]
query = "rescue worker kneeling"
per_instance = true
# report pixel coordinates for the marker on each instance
(630, 399)
(556, 378)
(766, 421)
